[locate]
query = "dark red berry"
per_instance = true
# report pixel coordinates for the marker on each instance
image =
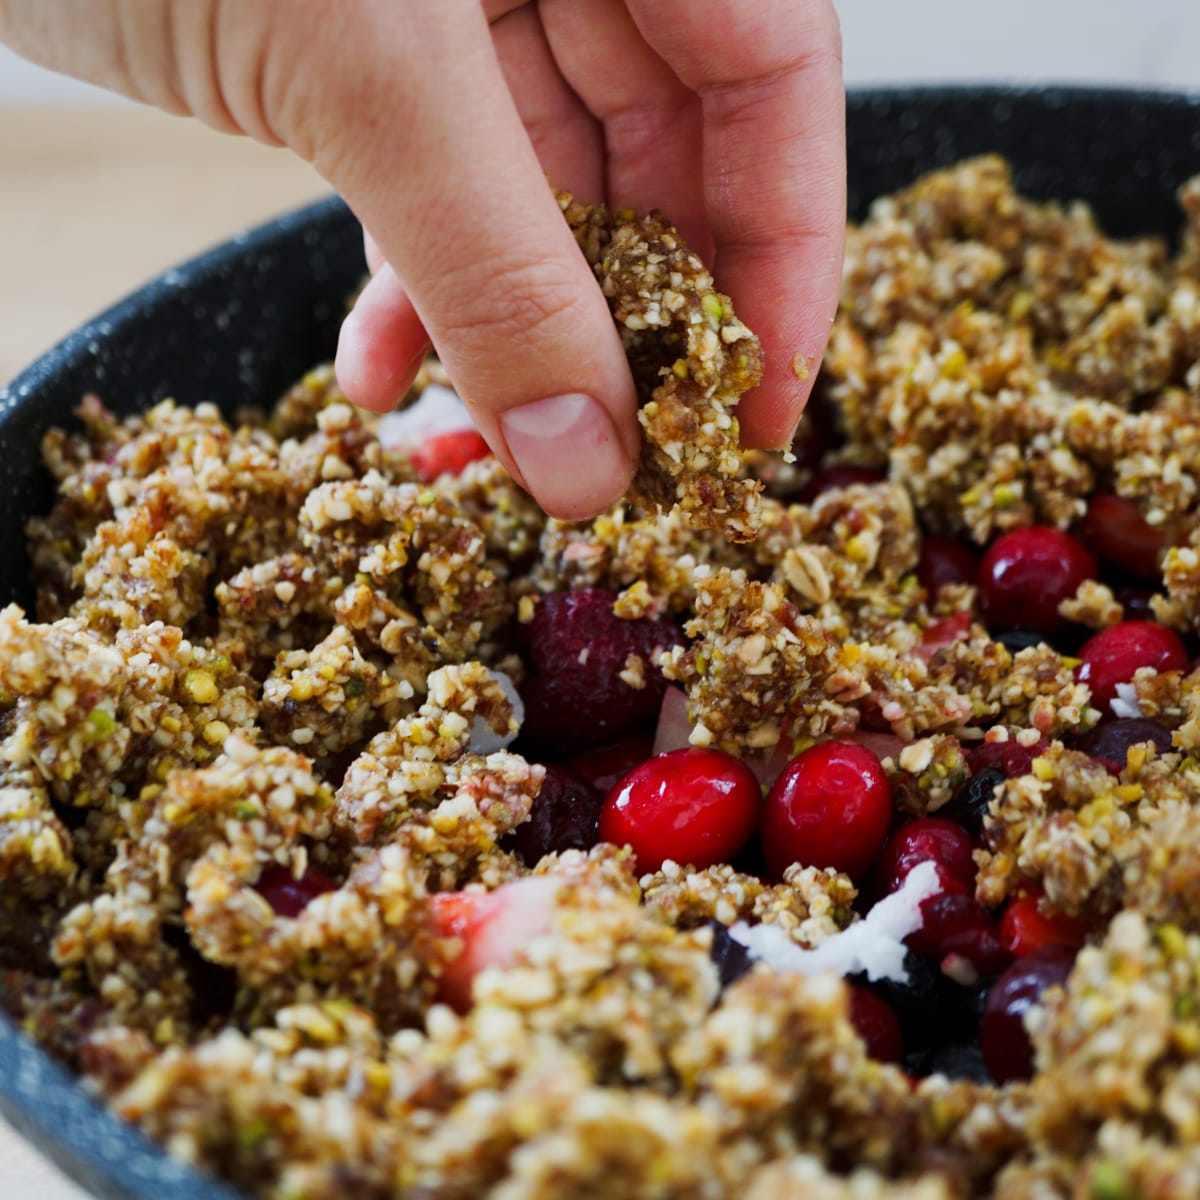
(1026, 926)
(1011, 756)
(877, 1025)
(955, 927)
(830, 807)
(838, 477)
(1006, 1046)
(289, 896)
(1111, 740)
(1135, 602)
(577, 649)
(944, 561)
(1116, 530)
(814, 434)
(565, 816)
(692, 805)
(1026, 574)
(448, 453)
(603, 768)
(929, 839)
(1113, 655)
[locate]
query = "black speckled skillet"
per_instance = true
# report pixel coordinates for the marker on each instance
(238, 324)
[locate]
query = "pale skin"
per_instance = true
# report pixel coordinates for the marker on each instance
(440, 121)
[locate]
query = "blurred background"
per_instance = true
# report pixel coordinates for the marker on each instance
(98, 195)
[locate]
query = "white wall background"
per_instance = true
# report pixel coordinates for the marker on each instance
(1152, 43)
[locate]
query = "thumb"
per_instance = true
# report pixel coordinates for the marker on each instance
(425, 143)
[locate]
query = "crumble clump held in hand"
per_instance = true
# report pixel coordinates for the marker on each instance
(692, 359)
(269, 879)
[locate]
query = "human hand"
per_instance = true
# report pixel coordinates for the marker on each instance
(439, 123)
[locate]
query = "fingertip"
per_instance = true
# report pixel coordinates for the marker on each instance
(380, 346)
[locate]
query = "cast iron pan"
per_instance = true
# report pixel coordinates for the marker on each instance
(238, 324)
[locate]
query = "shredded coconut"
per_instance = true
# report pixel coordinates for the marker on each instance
(1125, 702)
(874, 945)
(437, 410)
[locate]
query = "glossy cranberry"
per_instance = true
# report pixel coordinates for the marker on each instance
(730, 957)
(1006, 1046)
(565, 816)
(289, 896)
(1011, 756)
(830, 807)
(1111, 739)
(942, 633)
(955, 928)
(944, 561)
(1027, 573)
(929, 839)
(1026, 927)
(1116, 530)
(448, 454)
(971, 802)
(838, 477)
(876, 1024)
(602, 769)
(1113, 655)
(693, 806)
(577, 649)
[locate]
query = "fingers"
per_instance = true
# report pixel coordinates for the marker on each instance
(651, 122)
(490, 267)
(769, 76)
(381, 345)
(566, 137)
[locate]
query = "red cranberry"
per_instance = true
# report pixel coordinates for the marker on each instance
(1013, 758)
(1026, 927)
(1006, 1046)
(447, 454)
(693, 806)
(1111, 740)
(830, 807)
(1116, 530)
(1113, 655)
(1027, 573)
(564, 816)
(838, 477)
(289, 896)
(929, 839)
(954, 926)
(944, 560)
(577, 649)
(943, 632)
(877, 1025)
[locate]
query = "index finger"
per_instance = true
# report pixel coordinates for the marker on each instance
(769, 75)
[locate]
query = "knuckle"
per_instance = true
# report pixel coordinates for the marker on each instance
(523, 301)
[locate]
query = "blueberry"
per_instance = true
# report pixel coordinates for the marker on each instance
(732, 959)
(970, 803)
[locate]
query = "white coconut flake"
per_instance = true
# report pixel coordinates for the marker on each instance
(874, 945)
(437, 410)
(1125, 702)
(484, 739)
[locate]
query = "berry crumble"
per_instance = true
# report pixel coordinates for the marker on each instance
(823, 828)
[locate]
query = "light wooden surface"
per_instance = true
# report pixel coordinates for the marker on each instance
(92, 203)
